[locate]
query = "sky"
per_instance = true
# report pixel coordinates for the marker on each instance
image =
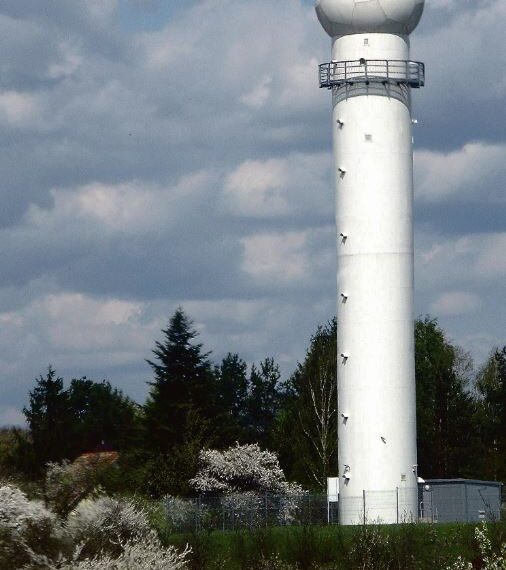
(157, 154)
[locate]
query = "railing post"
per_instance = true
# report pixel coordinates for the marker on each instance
(363, 498)
(397, 491)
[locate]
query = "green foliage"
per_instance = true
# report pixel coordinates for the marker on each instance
(372, 547)
(491, 388)
(49, 419)
(63, 423)
(263, 400)
(183, 382)
(180, 413)
(444, 404)
(307, 427)
(17, 459)
(231, 399)
(100, 413)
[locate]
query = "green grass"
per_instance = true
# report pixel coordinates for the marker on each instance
(374, 547)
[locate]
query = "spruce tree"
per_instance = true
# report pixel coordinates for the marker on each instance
(183, 383)
(263, 401)
(231, 399)
(49, 419)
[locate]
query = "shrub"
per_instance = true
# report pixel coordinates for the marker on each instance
(491, 560)
(241, 468)
(30, 534)
(104, 524)
(67, 484)
(371, 549)
(145, 554)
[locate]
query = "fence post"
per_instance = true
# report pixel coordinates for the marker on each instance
(397, 492)
(363, 498)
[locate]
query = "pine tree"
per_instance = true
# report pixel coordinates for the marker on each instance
(49, 419)
(183, 382)
(263, 401)
(231, 399)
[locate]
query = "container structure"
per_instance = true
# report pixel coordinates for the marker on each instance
(459, 500)
(371, 77)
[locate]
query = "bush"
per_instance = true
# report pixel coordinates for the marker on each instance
(145, 554)
(104, 524)
(67, 484)
(30, 534)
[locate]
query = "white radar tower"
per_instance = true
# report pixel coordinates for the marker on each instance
(371, 77)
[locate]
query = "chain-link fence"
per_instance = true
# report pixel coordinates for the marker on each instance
(462, 501)
(248, 510)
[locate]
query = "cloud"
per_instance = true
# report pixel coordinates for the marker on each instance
(475, 173)
(276, 257)
(455, 303)
(188, 161)
(17, 109)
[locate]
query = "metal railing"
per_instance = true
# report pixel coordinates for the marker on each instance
(397, 72)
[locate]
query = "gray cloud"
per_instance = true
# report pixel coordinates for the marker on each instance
(187, 161)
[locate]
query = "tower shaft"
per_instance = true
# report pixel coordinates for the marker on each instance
(374, 217)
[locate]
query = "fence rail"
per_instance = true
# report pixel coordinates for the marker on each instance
(338, 73)
(250, 510)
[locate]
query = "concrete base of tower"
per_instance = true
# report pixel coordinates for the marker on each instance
(379, 507)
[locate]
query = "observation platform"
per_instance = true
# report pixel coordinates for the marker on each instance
(393, 72)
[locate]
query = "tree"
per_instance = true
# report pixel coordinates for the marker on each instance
(183, 382)
(231, 399)
(491, 389)
(100, 413)
(263, 400)
(179, 415)
(308, 421)
(49, 419)
(445, 406)
(240, 468)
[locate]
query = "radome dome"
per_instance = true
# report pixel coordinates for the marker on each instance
(343, 17)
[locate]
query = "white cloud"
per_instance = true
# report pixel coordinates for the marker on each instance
(475, 172)
(256, 188)
(18, 109)
(276, 258)
(477, 259)
(192, 165)
(455, 303)
(124, 208)
(257, 97)
(297, 185)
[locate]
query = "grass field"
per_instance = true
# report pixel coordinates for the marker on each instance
(374, 547)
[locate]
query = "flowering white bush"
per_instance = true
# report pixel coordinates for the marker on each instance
(67, 484)
(29, 532)
(145, 554)
(243, 475)
(180, 512)
(491, 560)
(102, 524)
(241, 468)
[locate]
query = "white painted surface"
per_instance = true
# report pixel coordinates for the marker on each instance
(339, 17)
(374, 209)
(332, 489)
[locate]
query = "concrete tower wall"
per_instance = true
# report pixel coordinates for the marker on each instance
(374, 216)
